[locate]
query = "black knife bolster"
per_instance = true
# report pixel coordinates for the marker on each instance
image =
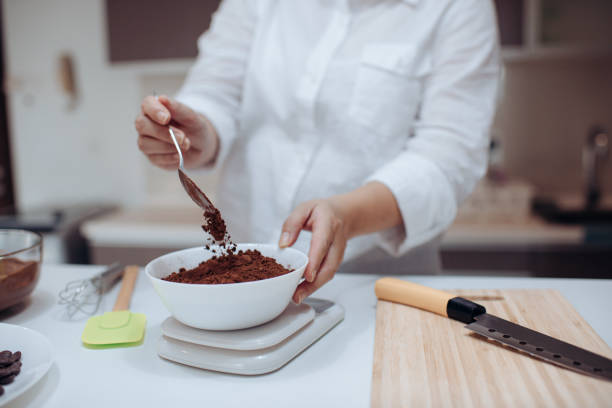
(463, 310)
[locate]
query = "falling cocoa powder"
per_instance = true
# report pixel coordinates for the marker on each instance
(227, 266)
(245, 266)
(215, 225)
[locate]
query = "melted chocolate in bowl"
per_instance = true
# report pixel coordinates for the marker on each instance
(17, 280)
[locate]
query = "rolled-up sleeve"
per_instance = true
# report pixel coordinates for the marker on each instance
(447, 154)
(215, 82)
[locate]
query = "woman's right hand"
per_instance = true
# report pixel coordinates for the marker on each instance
(195, 134)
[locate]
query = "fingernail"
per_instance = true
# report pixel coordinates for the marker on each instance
(284, 240)
(186, 143)
(162, 116)
(180, 137)
(299, 299)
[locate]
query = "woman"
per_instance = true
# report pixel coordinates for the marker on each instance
(353, 120)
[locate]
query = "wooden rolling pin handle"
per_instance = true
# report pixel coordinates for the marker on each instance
(423, 297)
(127, 287)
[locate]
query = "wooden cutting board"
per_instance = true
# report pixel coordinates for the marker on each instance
(425, 360)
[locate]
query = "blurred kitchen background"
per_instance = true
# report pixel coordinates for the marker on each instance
(75, 71)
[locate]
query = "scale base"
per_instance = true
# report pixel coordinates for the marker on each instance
(247, 357)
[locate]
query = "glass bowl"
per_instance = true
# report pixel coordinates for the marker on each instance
(20, 258)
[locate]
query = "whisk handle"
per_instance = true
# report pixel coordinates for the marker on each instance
(127, 287)
(106, 280)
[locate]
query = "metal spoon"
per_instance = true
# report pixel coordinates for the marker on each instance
(190, 187)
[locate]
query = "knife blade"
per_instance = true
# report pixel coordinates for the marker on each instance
(503, 331)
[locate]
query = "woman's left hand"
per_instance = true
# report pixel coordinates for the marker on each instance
(333, 221)
(329, 236)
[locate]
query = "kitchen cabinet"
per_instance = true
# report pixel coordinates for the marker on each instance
(544, 29)
(156, 29)
(529, 29)
(570, 261)
(532, 245)
(66, 153)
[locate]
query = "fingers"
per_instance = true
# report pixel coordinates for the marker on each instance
(320, 243)
(146, 127)
(149, 145)
(294, 224)
(326, 273)
(165, 161)
(323, 225)
(154, 138)
(155, 110)
(179, 112)
(327, 244)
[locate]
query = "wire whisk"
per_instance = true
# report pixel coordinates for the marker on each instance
(83, 296)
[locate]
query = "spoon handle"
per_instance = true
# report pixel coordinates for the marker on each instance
(178, 149)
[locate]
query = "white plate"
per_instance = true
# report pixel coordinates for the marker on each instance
(36, 356)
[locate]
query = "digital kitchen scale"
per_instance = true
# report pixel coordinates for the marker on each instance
(252, 351)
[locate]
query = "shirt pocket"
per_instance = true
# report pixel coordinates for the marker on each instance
(388, 88)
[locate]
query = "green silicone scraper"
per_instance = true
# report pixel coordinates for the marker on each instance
(119, 327)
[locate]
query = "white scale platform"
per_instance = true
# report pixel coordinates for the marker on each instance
(257, 350)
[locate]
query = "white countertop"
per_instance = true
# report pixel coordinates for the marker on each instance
(334, 372)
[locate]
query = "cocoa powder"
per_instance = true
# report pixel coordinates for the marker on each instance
(227, 266)
(245, 266)
(215, 225)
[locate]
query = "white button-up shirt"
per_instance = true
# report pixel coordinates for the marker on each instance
(315, 98)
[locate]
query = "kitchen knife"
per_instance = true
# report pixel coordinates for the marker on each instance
(478, 320)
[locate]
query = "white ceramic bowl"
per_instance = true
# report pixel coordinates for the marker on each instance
(228, 306)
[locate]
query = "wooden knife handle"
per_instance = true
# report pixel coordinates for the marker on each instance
(412, 294)
(423, 297)
(127, 287)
